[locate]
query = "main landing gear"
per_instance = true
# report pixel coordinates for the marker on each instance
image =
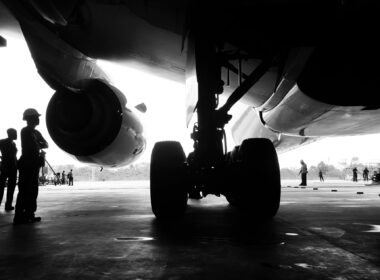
(254, 178)
(168, 185)
(248, 176)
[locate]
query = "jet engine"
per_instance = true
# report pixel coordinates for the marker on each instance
(93, 124)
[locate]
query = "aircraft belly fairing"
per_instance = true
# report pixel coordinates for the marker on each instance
(299, 114)
(298, 119)
(250, 125)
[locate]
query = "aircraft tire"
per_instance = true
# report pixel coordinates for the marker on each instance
(168, 192)
(258, 181)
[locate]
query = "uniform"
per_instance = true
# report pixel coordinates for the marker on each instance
(303, 172)
(8, 170)
(29, 165)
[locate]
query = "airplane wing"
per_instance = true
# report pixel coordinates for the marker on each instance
(304, 68)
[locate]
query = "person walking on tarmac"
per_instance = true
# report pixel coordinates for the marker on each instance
(303, 172)
(321, 179)
(31, 160)
(8, 167)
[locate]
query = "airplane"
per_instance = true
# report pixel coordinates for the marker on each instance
(305, 69)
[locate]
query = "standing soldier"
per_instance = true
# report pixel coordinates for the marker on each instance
(303, 172)
(365, 174)
(31, 160)
(70, 177)
(355, 174)
(8, 167)
(63, 178)
(57, 179)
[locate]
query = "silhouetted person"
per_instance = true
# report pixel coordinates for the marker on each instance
(8, 167)
(303, 172)
(194, 192)
(70, 177)
(321, 179)
(365, 174)
(57, 179)
(355, 174)
(31, 160)
(63, 177)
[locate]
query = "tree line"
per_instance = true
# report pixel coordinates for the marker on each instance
(141, 171)
(343, 172)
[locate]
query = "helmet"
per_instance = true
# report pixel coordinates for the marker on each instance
(30, 113)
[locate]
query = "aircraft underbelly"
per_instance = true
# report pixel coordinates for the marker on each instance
(118, 34)
(304, 96)
(8, 24)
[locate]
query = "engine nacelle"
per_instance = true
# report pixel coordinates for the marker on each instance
(94, 125)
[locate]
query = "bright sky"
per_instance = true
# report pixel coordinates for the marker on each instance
(21, 87)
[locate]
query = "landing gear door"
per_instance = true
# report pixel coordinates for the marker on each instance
(191, 81)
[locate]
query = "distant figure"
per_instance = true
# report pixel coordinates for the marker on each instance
(31, 160)
(321, 179)
(8, 167)
(365, 174)
(303, 172)
(70, 177)
(355, 174)
(57, 179)
(63, 179)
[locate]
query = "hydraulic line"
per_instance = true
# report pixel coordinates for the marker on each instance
(246, 85)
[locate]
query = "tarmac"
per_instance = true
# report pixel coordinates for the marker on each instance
(106, 230)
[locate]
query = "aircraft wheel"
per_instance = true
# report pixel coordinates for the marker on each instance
(258, 179)
(168, 191)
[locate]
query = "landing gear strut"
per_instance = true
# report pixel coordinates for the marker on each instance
(248, 176)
